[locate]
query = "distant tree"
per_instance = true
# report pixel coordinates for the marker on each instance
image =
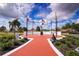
(2, 28)
(75, 26)
(68, 25)
(20, 29)
(38, 28)
(24, 28)
(72, 26)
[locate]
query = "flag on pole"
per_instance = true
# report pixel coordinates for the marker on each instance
(43, 22)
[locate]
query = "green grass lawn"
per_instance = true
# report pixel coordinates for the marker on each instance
(67, 45)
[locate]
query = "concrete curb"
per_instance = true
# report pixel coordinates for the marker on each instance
(54, 48)
(8, 53)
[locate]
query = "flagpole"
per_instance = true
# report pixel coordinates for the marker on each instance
(32, 27)
(53, 36)
(27, 26)
(56, 23)
(42, 27)
(51, 26)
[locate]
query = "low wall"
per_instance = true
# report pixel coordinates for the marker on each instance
(44, 32)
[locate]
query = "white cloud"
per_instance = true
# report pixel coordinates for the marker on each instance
(15, 10)
(2, 5)
(77, 21)
(60, 14)
(4, 22)
(42, 15)
(63, 10)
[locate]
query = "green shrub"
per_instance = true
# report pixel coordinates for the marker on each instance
(58, 43)
(8, 36)
(22, 40)
(1, 44)
(1, 39)
(72, 53)
(62, 41)
(7, 45)
(67, 45)
(5, 38)
(77, 42)
(74, 42)
(16, 43)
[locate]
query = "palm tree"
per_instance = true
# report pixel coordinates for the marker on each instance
(10, 25)
(14, 25)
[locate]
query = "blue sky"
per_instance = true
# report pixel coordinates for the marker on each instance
(66, 13)
(38, 9)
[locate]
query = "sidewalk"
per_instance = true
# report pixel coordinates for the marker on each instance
(39, 46)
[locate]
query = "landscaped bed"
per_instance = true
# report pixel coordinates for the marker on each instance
(8, 43)
(67, 45)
